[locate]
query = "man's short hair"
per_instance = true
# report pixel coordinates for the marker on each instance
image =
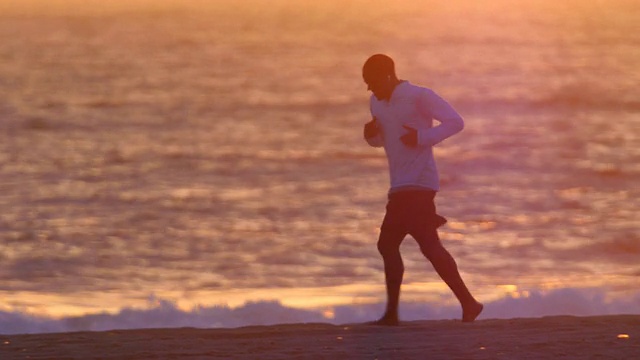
(378, 65)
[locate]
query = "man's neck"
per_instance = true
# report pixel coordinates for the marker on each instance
(393, 87)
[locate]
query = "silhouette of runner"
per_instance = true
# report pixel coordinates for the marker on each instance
(402, 123)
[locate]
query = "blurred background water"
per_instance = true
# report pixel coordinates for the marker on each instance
(209, 153)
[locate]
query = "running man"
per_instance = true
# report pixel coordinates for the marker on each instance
(402, 123)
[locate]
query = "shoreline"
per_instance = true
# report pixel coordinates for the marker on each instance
(566, 337)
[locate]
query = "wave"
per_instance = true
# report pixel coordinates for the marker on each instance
(552, 100)
(163, 313)
(590, 96)
(587, 101)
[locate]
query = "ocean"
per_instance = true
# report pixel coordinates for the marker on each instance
(201, 163)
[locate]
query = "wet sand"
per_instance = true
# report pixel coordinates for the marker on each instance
(558, 337)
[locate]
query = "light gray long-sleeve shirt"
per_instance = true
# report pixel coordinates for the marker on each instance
(416, 107)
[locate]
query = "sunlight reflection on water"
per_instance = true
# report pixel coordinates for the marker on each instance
(187, 163)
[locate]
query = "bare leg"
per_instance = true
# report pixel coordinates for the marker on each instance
(446, 267)
(389, 247)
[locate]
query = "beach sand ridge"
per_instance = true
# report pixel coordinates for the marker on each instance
(556, 337)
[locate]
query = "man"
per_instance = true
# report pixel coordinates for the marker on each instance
(402, 123)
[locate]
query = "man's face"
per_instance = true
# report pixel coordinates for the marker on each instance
(379, 85)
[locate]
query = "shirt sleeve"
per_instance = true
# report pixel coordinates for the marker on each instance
(451, 122)
(375, 141)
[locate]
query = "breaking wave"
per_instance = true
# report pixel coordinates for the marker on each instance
(165, 314)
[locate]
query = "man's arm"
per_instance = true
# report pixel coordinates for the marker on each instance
(450, 121)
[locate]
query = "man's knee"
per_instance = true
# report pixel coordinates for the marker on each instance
(387, 248)
(389, 244)
(432, 247)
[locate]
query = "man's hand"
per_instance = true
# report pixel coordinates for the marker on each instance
(410, 139)
(371, 129)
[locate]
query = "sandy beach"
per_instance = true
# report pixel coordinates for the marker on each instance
(558, 337)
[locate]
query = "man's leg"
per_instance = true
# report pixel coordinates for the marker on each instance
(389, 247)
(446, 267)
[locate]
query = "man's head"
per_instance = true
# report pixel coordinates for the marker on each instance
(379, 74)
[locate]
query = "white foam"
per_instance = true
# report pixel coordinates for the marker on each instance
(165, 314)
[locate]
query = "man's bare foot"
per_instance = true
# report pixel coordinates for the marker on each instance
(471, 312)
(386, 320)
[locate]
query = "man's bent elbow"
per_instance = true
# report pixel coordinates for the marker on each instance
(459, 124)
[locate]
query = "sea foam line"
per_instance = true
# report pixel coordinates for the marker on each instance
(166, 314)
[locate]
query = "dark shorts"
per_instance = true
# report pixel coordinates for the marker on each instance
(412, 212)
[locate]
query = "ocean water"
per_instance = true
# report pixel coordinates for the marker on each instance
(200, 163)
